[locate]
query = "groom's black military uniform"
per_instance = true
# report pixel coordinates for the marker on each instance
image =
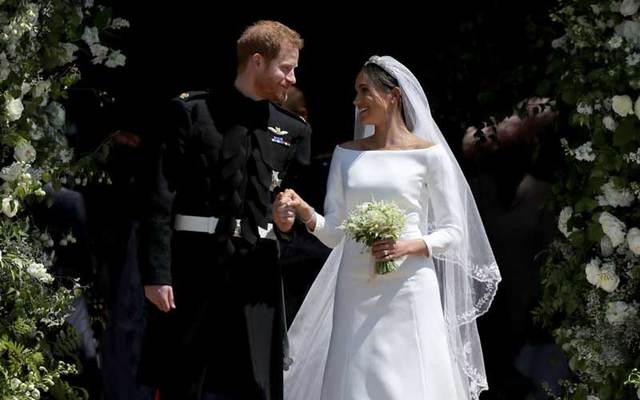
(222, 155)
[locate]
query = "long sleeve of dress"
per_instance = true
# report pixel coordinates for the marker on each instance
(326, 228)
(445, 202)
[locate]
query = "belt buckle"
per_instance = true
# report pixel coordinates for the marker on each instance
(212, 222)
(237, 230)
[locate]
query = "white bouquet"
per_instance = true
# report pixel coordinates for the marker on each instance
(373, 221)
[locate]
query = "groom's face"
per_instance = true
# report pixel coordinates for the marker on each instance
(275, 77)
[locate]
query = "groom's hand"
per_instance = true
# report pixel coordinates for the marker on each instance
(161, 296)
(283, 215)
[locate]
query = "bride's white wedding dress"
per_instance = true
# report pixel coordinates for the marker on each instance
(388, 340)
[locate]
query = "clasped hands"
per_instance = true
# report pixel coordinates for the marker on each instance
(289, 204)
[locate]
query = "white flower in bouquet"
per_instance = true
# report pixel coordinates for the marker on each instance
(584, 108)
(57, 115)
(630, 30)
(69, 53)
(619, 311)
(14, 109)
(592, 270)
(609, 123)
(90, 35)
(614, 197)
(11, 172)
(99, 53)
(116, 59)
(560, 43)
(584, 152)
(636, 107)
(25, 88)
(612, 227)
(119, 23)
(373, 221)
(10, 206)
(622, 105)
(615, 42)
(41, 88)
(608, 280)
(606, 247)
(633, 59)
(39, 272)
(592, 397)
(629, 7)
(24, 152)
(633, 240)
(563, 219)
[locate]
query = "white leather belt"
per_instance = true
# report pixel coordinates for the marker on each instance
(193, 223)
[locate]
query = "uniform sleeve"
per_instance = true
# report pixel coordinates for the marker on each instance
(159, 180)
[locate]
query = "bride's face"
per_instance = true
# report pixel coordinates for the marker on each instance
(373, 104)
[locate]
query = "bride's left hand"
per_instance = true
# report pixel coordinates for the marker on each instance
(385, 250)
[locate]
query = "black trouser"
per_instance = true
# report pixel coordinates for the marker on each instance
(226, 333)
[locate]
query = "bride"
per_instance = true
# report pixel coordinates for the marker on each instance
(410, 334)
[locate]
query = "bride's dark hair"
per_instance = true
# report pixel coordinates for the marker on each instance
(380, 78)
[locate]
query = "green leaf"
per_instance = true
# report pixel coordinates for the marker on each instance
(625, 132)
(586, 204)
(102, 19)
(595, 232)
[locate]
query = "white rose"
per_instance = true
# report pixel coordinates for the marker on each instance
(609, 123)
(629, 7)
(119, 23)
(622, 105)
(14, 109)
(69, 49)
(614, 197)
(39, 272)
(584, 108)
(116, 59)
(57, 114)
(41, 88)
(618, 311)
(629, 30)
(11, 172)
(633, 59)
(560, 43)
(9, 207)
(633, 240)
(584, 152)
(90, 35)
(99, 53)
(608, 280)
(615, 42)
(591, 397)
(636, 107)
(606, 247)
(564, 217)
(592, 270)
(24, 152)
(612, 227)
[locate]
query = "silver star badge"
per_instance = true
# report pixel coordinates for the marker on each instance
(275, 180)
(278, 131)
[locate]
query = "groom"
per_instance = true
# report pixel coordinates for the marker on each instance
(209, 254)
